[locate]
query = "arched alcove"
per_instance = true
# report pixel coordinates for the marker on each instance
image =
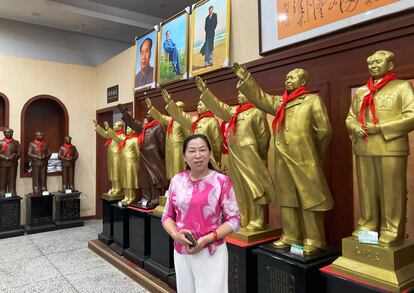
(4, 111)
(47, 114)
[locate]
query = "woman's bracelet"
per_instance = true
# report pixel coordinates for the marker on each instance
(215, 239)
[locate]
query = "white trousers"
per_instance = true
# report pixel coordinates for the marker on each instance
(202, 272)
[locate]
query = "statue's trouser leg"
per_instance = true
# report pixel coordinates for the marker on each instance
(313, 228)
(12, 179)
(257, 216)
(394, 196)
(130, 196)
(116, 187)
(71, 177)
(244, 214)
(64, 178)
(43, 177)
(292, 230)
(36, 178)
(3, 180)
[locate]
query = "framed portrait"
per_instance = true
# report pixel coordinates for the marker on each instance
(287, 22)
(173, 48)
(210, 36)
(145, 65)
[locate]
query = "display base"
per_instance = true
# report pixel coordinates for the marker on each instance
(159, 210)
(139, 236)
(39, 228)
(120, 235)
(68, 224)
(340, 283)
(10, 217)
(251, 237)
(39, 212)
(282, 271)
(104, 238)
(161, 261)
(389, 268)
(107, 218)
(67, 210)
(243, 264)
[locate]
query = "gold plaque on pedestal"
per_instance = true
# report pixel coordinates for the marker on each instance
(112, 197)
(158, 211)
(250, 237)
(391, 268)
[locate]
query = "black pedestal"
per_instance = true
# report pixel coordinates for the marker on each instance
(10, 217)
(161, 261)
(139, 236)
(67, 208)
(120, 235)
(282, 271)
(343, 284)
(242, 266)
(39, 212)
(107, 221)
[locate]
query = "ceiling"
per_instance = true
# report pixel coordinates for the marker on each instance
(119, 20)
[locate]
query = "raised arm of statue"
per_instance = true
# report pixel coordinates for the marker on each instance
(99, 130)
(220, 109)
(131, 122)
(163, 119)
(112, 135)
(179, 115)
(321, 125)
(257, 96)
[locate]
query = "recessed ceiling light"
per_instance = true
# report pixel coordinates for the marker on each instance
(36, 14)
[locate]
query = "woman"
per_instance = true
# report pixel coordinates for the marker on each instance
(201, 201)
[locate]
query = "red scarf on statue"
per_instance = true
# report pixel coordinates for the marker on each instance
(39, 145)
(170, 126)
(67, 153)
(6, 144)
(224, 145)
(141, 137)
(122, 143)
(233, 120)
(108, 141)
(280, 113)
(369, 97)
(195, 123)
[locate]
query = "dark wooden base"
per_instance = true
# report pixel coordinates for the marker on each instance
(39, 228)
(68, 224)
(282, 271)
(120, 235)
(107, 220)
(344, 284)
(159, 270)
(12, 233)
(107, 240)
(135, 257)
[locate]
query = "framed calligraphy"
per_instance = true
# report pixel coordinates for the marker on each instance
(286, 22)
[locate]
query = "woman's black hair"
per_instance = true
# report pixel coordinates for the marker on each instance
(194, 136)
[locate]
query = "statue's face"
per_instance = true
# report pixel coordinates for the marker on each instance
(379, 65)
(118, 126)
(241, 98)
(201, 108)
(39, 136)
(294, 80)
(68, 140)
(8, 133)
(129, 130)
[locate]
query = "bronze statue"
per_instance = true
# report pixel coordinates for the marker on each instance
(379, 120)
(39, 155)
(174, 161)
(151, 141)
(205, 124)
(10, 152)
(129, 158)
(114, 169)
(68, 154)
(302, 132)
(248, 138)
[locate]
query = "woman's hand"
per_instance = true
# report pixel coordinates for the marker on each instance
(180, 238)
(201, 243)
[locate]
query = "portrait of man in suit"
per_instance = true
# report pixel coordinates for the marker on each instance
(210, 29)
(146, 74)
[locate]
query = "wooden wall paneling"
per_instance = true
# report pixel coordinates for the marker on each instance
(330, 61)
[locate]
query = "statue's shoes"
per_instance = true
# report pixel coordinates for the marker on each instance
(279, 244)
(388, 241)
(252, 228)
(309, 249)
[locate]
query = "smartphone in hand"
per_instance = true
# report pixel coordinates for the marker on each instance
(190, 237)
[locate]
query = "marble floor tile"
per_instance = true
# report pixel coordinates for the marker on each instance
(26, 271)
(59, 243)
(76, 261)
(16, 248)
(58, 285)
(103, 279)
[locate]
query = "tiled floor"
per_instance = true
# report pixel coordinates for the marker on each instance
(59, 261)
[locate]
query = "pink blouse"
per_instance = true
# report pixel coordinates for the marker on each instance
(201, 206)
